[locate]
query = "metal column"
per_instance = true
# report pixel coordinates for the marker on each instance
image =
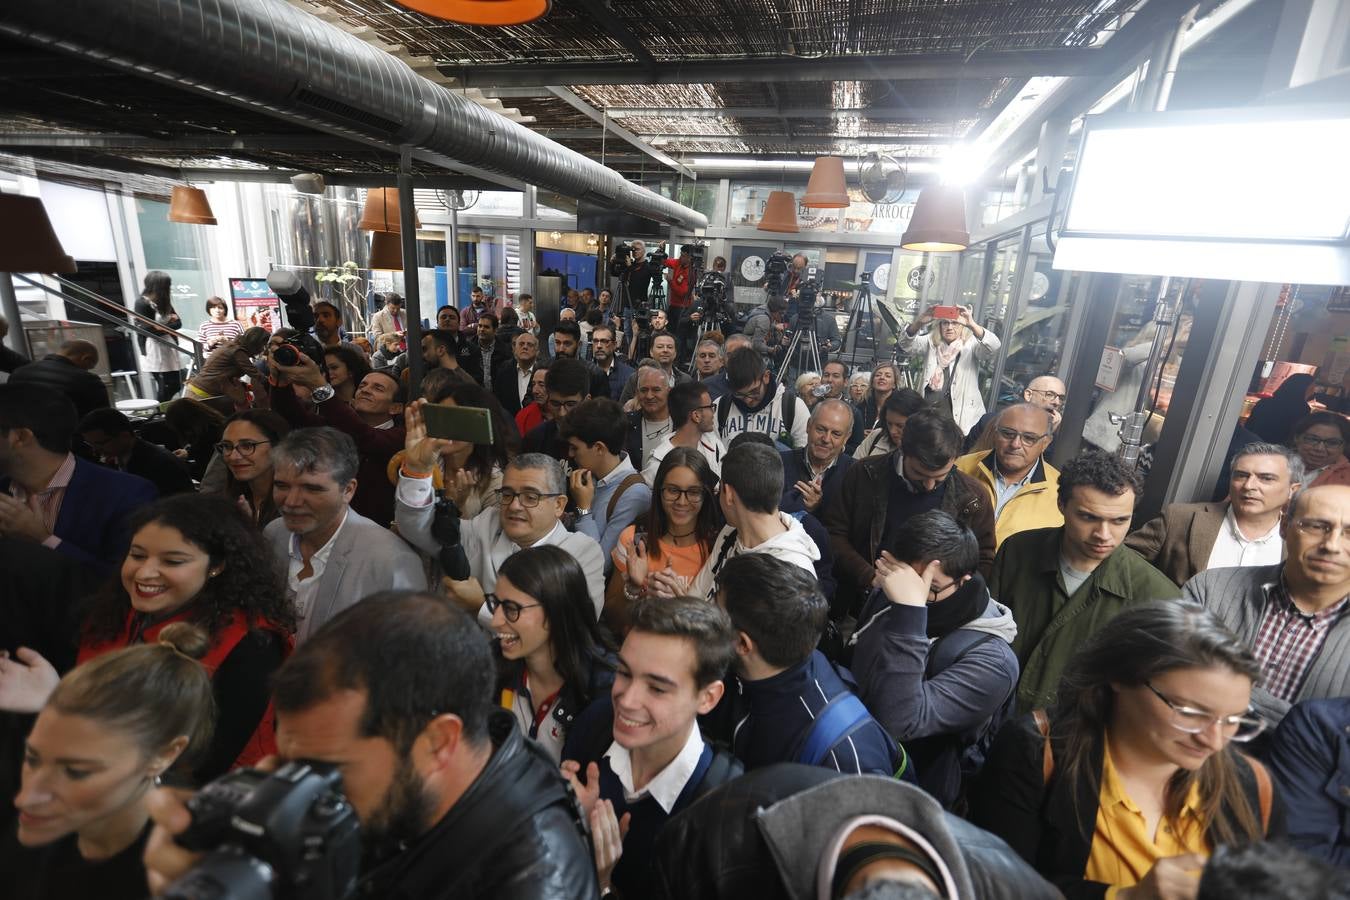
(9, 307)
(412, 290)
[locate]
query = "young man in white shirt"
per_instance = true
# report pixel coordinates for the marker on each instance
(607, 490)
(691, 405)
(636, 758)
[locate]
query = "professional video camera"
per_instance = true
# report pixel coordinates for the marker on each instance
(619, 262)
(776, 270)
(808, 289)
(299, 315)
(657, 259)
(697, 255)
(289, 835)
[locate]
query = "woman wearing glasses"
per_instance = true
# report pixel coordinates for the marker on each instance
(246, 448)
(1126, 786)
(1321, 440)
(685, 519)
(552, 657)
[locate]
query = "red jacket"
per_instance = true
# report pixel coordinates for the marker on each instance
(263, 742)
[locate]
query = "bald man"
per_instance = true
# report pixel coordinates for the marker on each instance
(1022, 485)
(1295, 615)
(68, 371)
(1045, 391)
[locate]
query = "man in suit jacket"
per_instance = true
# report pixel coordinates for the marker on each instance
(511, 383)
(482, 358)
(1293, 615)
(51, 497)
(1243, 530)
(331, 555)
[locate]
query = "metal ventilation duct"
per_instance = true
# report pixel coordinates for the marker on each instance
(283, 60)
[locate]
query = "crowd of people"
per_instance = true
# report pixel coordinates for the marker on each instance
(669, 633)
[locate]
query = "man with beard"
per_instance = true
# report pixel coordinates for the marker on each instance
(663, 354)
(604, 350)
(453, 801)
(567, 345)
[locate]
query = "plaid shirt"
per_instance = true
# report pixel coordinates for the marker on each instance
(1288, 640)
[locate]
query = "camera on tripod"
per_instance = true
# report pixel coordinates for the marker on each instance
(288, 834)
(619, 262)
(657, 259)
(775, 272)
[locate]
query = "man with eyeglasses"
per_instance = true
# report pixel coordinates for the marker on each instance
(1045, 391)
(1321, 441)
(1294, 615)
(755, 402)
(566, 344)
(933, 651)
(604, 350)
(566, 385)
(692, 407)
(1021, 483)
(529, 514)
(1243, 530)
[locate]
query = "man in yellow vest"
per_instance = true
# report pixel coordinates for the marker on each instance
(1023, 485)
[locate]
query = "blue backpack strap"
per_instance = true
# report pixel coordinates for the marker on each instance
(841, 716)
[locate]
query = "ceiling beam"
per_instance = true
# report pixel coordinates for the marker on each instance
(614, 128)
(982, 64)
(580, 134)
(941, 114)
(212, 142)
(608, 20)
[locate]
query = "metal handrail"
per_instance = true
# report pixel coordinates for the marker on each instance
(117, 315)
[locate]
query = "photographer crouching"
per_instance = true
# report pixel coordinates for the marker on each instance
(396, 696)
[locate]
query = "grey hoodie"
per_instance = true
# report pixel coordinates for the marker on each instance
(792, 546)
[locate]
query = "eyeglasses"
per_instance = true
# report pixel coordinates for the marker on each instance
(1196, 721)
(565, 406)
(1325, 443)
(706, 406)
(748, 393)
(1011, 434)
(693, 496)
(510, 609)
(1051, 394)
(245, 448)
(528, 499)
(1320, 528)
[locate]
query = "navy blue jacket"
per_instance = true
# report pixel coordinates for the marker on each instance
(92, 523)
(795, 469)
(1310, 758)
(717, 385)
(774, 717)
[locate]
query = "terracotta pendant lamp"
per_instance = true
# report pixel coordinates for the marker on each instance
(381, 212)
(190, 206)
(28, 243)
(827, 188)
(939, 221)
(386, 250)
(780, 213)
(481, 12)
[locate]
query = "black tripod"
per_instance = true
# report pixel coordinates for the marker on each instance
(862, 325)
(803, 349)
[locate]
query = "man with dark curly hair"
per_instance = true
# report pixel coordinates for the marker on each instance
(1064, 583)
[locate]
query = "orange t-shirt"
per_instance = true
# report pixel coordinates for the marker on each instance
(686, 561)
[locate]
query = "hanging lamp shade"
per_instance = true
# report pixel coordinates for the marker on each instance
(780, 213)
(381, 212)
(28, 243)
(190, 206)
(827, 188)
(939, 222)
(386, 250)
(481, 12)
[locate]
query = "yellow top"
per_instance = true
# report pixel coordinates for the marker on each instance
(1122, 850)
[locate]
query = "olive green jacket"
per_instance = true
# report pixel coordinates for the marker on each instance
(1052, 625)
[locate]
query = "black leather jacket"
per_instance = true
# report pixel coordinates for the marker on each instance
(515, 834)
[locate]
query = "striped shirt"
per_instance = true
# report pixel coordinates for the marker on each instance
(46, 503)
(213, 334)
(1288, 640)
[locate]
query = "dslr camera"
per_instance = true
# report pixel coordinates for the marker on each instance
(288, 835)
(299, 315)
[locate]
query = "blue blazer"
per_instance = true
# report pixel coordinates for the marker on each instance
(93, 522)
(1310, 758)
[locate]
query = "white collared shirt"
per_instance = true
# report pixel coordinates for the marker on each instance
(1231, 549)
(669, 783)
(652, 433)
(304, 592)
(523, 384)
(709, 444)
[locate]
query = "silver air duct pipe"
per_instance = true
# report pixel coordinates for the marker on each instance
(284, 61)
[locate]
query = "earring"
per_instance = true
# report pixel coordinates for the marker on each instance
(158, 779)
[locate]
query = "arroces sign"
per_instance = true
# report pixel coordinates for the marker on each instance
(861, 217)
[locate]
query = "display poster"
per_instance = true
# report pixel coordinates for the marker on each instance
(255, 304)
(1110, 368)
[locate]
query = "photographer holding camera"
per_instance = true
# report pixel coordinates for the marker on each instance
(629, 265)
(452, 800)
(766, 325)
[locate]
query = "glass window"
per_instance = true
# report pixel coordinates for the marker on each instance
(178, 250)
(1036, 340)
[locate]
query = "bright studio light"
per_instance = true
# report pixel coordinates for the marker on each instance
(961, 166)
(1284, 179)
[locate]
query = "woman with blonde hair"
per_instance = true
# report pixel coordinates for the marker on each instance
(111, 730)
(951, 361)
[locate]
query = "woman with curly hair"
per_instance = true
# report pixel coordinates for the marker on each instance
(192, 559)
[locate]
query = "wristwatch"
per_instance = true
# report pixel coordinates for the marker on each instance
(581, 511)
(322, 392)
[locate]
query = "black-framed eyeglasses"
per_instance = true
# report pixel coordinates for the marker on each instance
(707, 406)
(563, 406)
(1195, 721)
(1053, 395)
(1320, 528)
(693, 496)
(1010, 434)
(528, 499)
(748, 393)
(511, 610)
(1325, 443)
(245, 448)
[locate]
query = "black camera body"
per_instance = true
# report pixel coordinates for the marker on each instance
(289, 351)
(657, 259)
(445, 529)
(619, 262)
(775, 271)
(299, 316)
(288, 834)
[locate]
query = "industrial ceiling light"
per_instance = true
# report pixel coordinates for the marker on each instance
(381, 212)
(827, 188)
(481, 12)
(939, 221)
(190, 206)
(386, 250)
(780, 213)
(28, 243)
